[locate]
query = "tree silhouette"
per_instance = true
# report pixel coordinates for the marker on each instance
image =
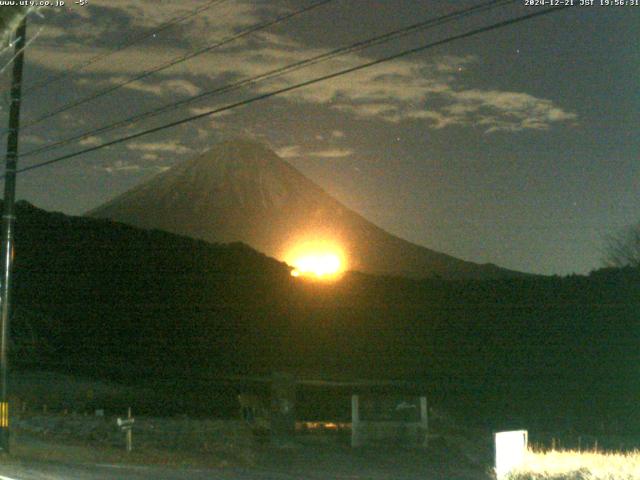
(623, 248)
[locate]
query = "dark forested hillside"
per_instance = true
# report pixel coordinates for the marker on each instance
(101, 298)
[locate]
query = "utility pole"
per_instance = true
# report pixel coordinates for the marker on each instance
(8, 220)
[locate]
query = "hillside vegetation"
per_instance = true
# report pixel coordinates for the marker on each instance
(114, 302)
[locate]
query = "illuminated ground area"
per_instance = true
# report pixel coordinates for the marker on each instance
(576, 465)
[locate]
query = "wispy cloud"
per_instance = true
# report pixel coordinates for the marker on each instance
(290, 151)
(120, 166)
(332, 153)
(162, 87)
(430, 91)
(91, 141)
(296, 151)
(505, 111)
(160, 147)
(123, 167)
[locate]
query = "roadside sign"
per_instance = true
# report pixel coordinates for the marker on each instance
(126, 425)
(510, 449)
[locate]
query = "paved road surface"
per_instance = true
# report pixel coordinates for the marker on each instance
(308, 462)
(60, 471)
(57, 471)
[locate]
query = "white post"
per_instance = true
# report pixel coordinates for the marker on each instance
(355, 421)
(129, 433)
(424, 419)
(510, 451)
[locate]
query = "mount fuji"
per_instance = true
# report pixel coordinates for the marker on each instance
(242, 191)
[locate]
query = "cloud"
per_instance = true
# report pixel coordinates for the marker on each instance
(489, 109)
(201, 110)
(120, 166)
(405, 90)
(430, 91)
(101, 17)
(332, 153)
(91, 141)
(52, 32)
(295, 151)
(290, 151)
(437, 120)
(505, 111)
(207, 126)
(161, 147)
(159, 88)
(220, 19)
(123, 167)
(379, 110)
(333, 135)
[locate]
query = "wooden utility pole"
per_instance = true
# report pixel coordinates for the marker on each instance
(8, 220)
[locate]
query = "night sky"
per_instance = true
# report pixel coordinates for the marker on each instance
(517, 146)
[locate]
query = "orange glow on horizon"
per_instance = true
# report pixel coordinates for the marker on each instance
(320, 265)
(317, 259)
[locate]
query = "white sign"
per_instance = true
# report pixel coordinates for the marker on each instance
(125, 423)
(511, 448)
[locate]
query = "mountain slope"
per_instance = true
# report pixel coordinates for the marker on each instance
(242, 191)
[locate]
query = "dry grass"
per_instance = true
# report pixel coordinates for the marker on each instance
(181, 443)
(196, 450)
(29, 448)
(574, 465)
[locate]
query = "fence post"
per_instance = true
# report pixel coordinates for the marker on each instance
(355, 421)
(424, 420)
(129, 433)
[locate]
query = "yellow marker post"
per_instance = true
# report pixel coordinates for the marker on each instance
(4, 414)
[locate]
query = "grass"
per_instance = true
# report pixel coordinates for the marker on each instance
(576, 465)
(160, 441)
(53, 418)
(28, 448)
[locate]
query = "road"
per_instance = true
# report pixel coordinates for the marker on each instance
(58, 471)
(55, 471)
(63, 471)
(303, 461)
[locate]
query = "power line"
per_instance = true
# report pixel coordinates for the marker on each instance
(389, 36)
(176, 61)
(297, 86)
(160, 28)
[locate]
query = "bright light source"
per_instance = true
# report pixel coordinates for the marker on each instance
(319, 265)
(511, 448)
(316, 259)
